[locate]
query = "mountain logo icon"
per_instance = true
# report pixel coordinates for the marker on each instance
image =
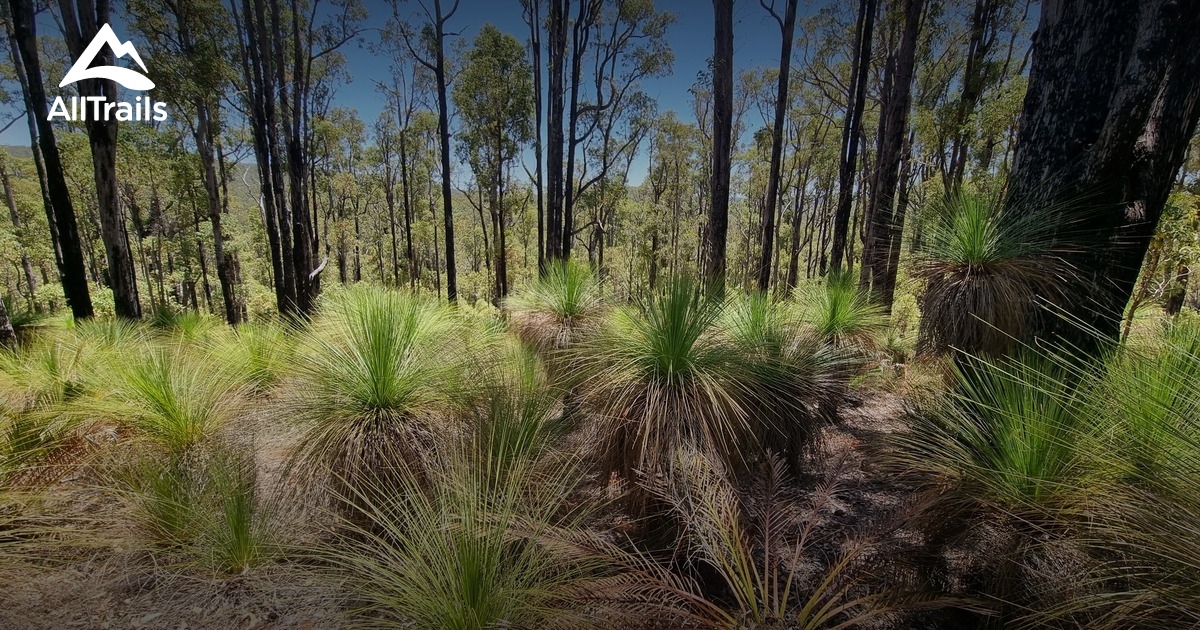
(131, 79)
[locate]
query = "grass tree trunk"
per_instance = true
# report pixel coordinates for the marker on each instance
(80, 27)
(72, 269)
(787, 28)
(1112, 103)
(718, 212)
(855, 101)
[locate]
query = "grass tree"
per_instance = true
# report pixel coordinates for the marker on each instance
(840, 313)
(548, 313)
(497, 536)
(669, 373)
(985, 269)
(377, 387)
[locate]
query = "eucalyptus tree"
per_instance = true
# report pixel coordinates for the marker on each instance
(430, 52)
(787, 31)
(82, 21)
(56, 195)
(493, 95)
(1105, 129)
(190, 46)
(289, 61)
(885, 221)
(722, 82)
(851, 129)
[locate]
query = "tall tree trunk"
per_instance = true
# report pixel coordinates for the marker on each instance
(444, 137)
(884, 222)
(787, 28)
(855, 102)
(554, 128)
(293, 112)
(972, 88)
(80, 28)
(535, 46)
(1112, 103)
(225, 264)
(260, 78)
(718, 213)
(71, 268)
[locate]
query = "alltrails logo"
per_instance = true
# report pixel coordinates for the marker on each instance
(84, 108)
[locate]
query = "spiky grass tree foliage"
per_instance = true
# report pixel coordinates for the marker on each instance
(984, 272)
(1143, 526)
(497, 538)
(1012, 438)
(379, 380)
(207, 511)
(39, 382)
(174, 394)
(669, 373)
(1085, 475)
(1150, 395)
(799, 378)
(840, 313)
(547, 313)
(1006, 457)
(265, 350)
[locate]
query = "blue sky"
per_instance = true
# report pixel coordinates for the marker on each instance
(756, 43)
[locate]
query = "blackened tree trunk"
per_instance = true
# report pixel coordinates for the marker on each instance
(1112, 103)
(80, 27)
(554, 128)
(983, 37)
(71, 266)
(438, 67)
(581, 32)
(855, 101)
(885, 223)
(533, 18)
(226, 264)
(787, 28)
(259, 78)
(294, 115)
(718, 211)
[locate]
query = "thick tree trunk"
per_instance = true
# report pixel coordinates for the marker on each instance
(787, 28)
(80, 28)
(884, 222)
(71, 268)
(718, 213)
(855, 102)
(1112, 103)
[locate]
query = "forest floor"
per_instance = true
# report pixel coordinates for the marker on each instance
(110, 582)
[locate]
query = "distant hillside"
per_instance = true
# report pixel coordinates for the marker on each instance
(17, 151)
